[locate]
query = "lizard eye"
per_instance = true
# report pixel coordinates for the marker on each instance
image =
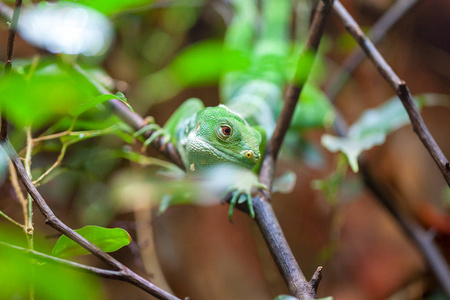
(224, 131)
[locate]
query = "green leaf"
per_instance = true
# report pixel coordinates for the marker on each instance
(352, 147)
(121, 97)
(51, 282)
(285, 183)
(79, 136)
(313, 109)
(107, 239)
(109, 7)
(91, 103)
(41, 98)
(200, 64)
(373, 126)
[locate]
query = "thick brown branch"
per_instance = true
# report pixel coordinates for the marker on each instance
(264, 215)
(279, 248)
(399, 87)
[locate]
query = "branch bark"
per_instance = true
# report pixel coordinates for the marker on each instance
(399, 87)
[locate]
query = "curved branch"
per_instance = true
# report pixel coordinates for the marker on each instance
(434, 258)
(53, 221)
(376, 34)
(399, 87)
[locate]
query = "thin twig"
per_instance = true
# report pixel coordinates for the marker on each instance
(12, 35)
(56, 135)
(399, 87)
(11, 219)
(9, 53)
(58, 161)
(416, 233)
(376, 34)
(53, 221)
(65, 263)
(131, 118)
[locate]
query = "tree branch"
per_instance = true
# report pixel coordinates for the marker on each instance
(57, 224)
(399, 87)
(64, 263)
(133, 119)
(376, 34)
(435, 260)
(304, 66)
(264, 214)
(9, 53)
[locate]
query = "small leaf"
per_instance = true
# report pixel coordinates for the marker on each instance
(373, 126)
(78, 136)
(96, 101)
(352, 147)
(165, 203)
(107, 239)
(285, 183)
(120, 96)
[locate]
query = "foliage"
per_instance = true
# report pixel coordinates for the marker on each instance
(107, 239)
(85, 156)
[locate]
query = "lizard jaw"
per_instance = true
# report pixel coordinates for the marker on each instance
(224, 155)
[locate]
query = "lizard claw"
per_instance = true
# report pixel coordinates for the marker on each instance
(157, 132)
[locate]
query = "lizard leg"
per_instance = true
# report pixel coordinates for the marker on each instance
(158, 131)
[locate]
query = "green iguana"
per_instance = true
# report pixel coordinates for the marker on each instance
(209, 137)
(235, 133)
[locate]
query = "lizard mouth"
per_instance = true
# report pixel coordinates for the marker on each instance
(230, 156)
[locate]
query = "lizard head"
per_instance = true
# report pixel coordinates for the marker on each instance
(221, 136)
